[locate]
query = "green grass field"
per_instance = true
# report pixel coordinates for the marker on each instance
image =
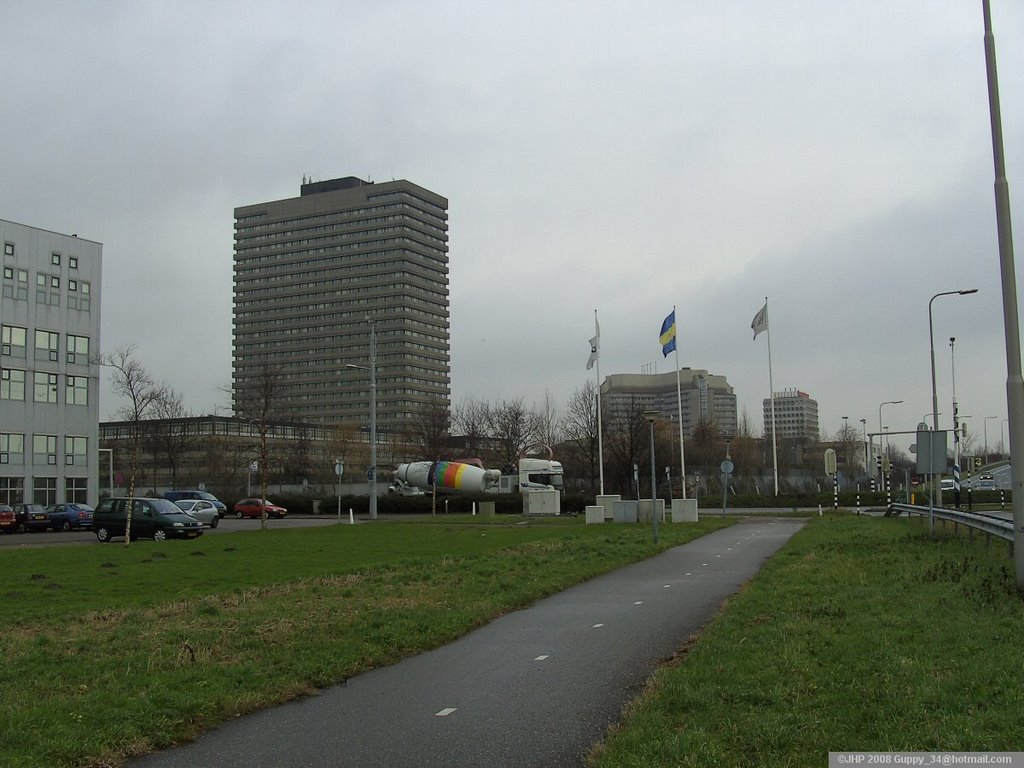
(862, 634)
(111, 651)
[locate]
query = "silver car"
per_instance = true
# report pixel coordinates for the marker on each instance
(202, 510)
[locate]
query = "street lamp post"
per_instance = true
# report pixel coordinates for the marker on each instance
(651, 417)
(864, 424)
(936, 486)
(881, 474)
(956, 424)
(372, 474)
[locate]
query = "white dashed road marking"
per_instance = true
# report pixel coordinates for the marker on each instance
(541, 658)
(445, 712)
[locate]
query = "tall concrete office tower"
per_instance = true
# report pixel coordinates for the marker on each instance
(314, 273)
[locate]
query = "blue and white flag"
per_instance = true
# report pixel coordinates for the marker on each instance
(668, 334)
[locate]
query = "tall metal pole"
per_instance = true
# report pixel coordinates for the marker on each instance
(864, 423)
(956, 424)
(936, 485)
(373, 422)
(651, 417)
(880, 432)
(1011, 328)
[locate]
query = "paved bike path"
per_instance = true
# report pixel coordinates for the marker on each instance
(537, 687)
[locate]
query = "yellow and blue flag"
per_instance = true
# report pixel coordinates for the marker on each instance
(668, 334)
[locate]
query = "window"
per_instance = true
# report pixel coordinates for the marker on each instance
(55, 259)
(22, 287)
(12, 384)
(12, 490)
(76, 490)
(54, 282)
(75, 450)
(44, 449)
(12, 340)
(45, 390)
(78, 349)
(78, 295)
(47, 345)
(76, 390)
(44, 490)
(73, 262)
(8, 249)
(12, 448)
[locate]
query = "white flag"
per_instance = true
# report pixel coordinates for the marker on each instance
(760, 320)
(595, 345)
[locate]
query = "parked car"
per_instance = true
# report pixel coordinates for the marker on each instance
(8, 522)
(252, 508)
(178, 495)
(66, 517)
(31, 517)
(151, 519)
(202, 510)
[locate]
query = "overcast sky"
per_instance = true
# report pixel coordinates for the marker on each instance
(834, 157)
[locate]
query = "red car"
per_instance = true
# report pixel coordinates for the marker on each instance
(8, 522)
(252, 508)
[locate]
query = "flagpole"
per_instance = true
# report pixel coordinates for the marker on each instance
(597, 368)
(679, 405)
(771, 387)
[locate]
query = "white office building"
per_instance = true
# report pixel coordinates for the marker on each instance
(49, 382)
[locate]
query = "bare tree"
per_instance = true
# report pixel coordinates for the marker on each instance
(169, 433)
(627, 443)
(515, 429)
(427, 432)
(469, 419)
(745, 449)
(141, 393)
(258, 399)
(579, 428)
(549, 421)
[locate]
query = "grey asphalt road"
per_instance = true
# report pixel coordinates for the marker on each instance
(537, 687)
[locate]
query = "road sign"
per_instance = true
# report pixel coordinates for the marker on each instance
(727, 467)
(339, 468)
(369, 474)
(830, 461)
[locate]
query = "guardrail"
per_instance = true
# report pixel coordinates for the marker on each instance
(979, 521)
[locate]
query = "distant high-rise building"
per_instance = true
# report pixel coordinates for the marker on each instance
(49, 377)
(705, 397)
(312, 273)
(796, 416)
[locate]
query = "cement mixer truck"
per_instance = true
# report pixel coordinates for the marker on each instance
(447, 476)
(456, 476)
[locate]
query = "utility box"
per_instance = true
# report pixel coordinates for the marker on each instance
(595, 514)
(644, 510)
(542, 501)
(624, 511)
(608, 502)
(684, 510)
(487, 508)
